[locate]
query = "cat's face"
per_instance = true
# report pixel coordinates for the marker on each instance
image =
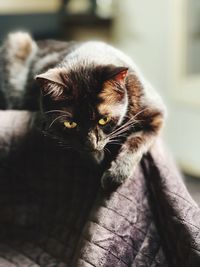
(83, 107)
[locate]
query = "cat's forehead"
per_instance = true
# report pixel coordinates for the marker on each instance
(91, 95)
(82, 83)
(87, 107)
(87, 90)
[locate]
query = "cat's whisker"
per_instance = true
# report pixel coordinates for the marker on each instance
(117, 136)
(121, 130)
(139, 112)
(118, 144)
(126, 123)
(49, 134)
(131, 121)
(129, 124)
(114, 141)
(57, 111)
(106, 149)
(58, 141)
(64, 145)
(56, 120)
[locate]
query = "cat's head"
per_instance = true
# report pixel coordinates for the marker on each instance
(83, 106)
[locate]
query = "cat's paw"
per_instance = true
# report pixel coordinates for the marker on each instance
(111, 179)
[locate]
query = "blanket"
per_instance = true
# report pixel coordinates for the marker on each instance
(53, 211)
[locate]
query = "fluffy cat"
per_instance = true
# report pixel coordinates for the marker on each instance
(91, 95)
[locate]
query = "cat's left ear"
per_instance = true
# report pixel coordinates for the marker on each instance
(118, 74)
(51, 82)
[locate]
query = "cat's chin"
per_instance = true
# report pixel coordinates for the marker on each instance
(96, 156)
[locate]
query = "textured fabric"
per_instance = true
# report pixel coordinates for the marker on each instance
(54, 213)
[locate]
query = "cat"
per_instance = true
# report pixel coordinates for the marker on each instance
(91, 95)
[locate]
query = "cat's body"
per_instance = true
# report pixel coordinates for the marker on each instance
(92, 96)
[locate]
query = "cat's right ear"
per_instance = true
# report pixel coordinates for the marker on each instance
(51, 82)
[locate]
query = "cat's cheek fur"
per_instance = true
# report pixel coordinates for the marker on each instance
(118, 110)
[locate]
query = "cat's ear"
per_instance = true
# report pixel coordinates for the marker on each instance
(51, 82)
(117, 74)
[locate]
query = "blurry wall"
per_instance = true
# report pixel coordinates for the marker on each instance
(22, 6)
(40, 17)
(60, 19)
(145, 30)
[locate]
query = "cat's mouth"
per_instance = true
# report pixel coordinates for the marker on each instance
(94, 148)
(95, 155)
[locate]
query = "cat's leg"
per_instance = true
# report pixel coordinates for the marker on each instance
(19, 50)
(131, 152)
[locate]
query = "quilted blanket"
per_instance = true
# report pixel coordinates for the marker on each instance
(53, 211)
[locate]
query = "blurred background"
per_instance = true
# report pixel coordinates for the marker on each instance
(162, 37)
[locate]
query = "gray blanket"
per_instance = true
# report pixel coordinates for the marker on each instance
(54, 213)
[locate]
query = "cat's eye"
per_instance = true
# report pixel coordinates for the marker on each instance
(70, 124)
(104, 120)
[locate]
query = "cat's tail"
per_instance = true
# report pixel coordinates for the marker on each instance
(18, 52)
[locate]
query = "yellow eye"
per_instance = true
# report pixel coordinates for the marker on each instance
(70, 124)
(104, 120)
